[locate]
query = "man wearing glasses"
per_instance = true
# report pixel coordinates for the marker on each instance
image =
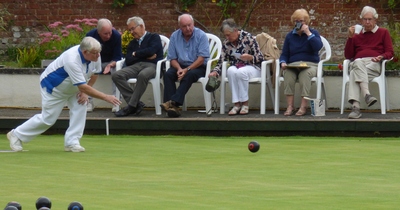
(143, 53)
(110, 40)
(366, 49)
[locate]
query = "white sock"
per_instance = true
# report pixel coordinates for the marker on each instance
(356, 104)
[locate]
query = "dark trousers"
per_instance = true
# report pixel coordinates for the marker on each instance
(178, 94)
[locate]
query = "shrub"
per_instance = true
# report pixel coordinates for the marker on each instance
(27, 57)
(126, 37)
(59, 38)
(56, 40)
(394, 30)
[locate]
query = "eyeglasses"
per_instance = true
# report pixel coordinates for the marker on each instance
(368, 19)
(95, 52)
(133, 28)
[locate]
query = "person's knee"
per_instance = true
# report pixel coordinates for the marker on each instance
(116, 76)
(170, 74)
(145, 76)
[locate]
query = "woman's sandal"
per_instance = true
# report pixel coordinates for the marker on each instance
(234, 110)
(244, 110)
(302, 111)
(289, 111)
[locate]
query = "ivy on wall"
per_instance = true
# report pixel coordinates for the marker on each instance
(228, 9)
(393, 3)
(122, 3)
(4, 17)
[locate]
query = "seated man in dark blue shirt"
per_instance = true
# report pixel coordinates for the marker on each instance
(143, 53)
(110, 40)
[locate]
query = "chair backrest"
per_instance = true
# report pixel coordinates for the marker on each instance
(215, 45)
(165, 44)
(325, 53)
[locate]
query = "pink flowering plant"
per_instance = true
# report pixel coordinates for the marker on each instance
(58, 38)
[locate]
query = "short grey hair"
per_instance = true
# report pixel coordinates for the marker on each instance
(180, 16)
(89, 43)
(368, 9)
(229, 24)
(103, 22)
(136, 20)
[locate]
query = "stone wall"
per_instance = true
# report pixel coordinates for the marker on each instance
(331, 18)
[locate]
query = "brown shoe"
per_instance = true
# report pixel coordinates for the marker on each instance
(165, 106)
(173, 111)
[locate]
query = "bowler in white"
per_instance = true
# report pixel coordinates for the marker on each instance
(68, 80)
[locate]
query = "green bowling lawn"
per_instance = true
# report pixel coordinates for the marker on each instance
(191, 172)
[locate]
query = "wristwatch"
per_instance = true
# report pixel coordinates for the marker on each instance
(188, 69)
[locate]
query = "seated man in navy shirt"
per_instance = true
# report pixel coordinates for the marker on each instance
(110, 40)
(143, 53)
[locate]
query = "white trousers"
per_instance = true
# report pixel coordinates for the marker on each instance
(239, 81)
(52, 105)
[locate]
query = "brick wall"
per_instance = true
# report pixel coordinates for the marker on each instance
(330, 17)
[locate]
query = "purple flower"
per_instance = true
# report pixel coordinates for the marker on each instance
(74, 27)
(90, 24)
(55, 24)
(64, 33)
(56, 37)
(46, 34)
(44, 41)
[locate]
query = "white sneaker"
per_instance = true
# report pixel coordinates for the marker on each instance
(90, 106)
(115, 109)
(15, 143)
(74, 148)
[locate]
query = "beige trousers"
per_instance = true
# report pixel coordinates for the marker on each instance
(303, 76)
(362, 70)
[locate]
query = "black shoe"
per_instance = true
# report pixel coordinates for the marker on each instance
(139, 107)
(125, 111)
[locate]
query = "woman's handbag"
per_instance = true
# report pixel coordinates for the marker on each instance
(212, 84)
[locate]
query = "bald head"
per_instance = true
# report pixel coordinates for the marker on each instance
(186, 25)
(104, 29)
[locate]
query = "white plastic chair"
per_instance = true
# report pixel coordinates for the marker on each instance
(325, 54)
(155, 82)
(215, 46)
(264, 80)
(380, 80)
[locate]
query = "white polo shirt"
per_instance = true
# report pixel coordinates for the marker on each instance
(68, 71)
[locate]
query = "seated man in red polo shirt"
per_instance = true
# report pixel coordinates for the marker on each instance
(366, 50)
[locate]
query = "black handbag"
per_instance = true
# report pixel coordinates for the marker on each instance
(212, 84)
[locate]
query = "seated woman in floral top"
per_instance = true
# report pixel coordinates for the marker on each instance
(242, 52)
